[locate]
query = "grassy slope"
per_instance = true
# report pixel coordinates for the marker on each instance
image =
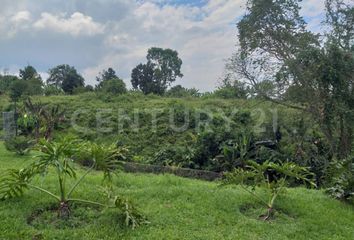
(182, 209)
(146, 142)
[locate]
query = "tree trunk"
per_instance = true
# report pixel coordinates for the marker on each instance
(345, 139)
(15, 117)
(48, 132)
(269, 215)
(64, 210)
(36, 132)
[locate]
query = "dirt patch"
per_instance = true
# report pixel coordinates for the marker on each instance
(45, 217)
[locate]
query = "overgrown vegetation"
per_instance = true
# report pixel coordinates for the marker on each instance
(341, 176)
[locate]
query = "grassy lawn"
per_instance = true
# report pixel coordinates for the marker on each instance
(178, 209)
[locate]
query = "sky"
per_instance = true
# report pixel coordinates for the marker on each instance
(96, 34)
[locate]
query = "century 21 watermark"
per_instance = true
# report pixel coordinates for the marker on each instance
(110, 121)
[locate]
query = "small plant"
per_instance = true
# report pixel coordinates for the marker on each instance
(132, 217)
(270, 176)
(19, 144)
(58, 155)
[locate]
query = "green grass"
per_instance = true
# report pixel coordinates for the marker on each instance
(179, 209)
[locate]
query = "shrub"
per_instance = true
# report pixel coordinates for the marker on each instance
(50, 90)
(209, 145)
(304, 145)
(34, 87)
(171, 155)
(270, 176)
(342, 179)
(114, 86)
(230, 92)
(82, 89)
(26, 124)
(178, 91)
(234, 154)
(20, 145)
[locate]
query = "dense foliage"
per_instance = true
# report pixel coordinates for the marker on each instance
(65, 77)
(342, 179)
(314, 72)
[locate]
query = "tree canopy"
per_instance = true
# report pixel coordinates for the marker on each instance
(29, 72)
(162, 68)
(106, 75)
(276, 46)
(65, 77)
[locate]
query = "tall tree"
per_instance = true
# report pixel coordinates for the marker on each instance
(109, 82)
(162, 68)
(33, 80)
(276, 46)
(106, 75)
(143, 79)
(340, 17)
(6, 82)
(29, 72)
(65, 77)
(17, 89)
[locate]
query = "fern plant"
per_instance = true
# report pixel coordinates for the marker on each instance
(58, 155)
(270, 176)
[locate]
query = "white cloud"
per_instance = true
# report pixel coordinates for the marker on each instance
(204, 37)
(20, 17)
(11, 24)
(77, 24)
(118, 33)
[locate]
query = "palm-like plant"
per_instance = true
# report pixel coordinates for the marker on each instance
(271, 176)
(52, 116)
(105, 158)
(235, 153)
(58, 155)
(46, 117)
(36, 110)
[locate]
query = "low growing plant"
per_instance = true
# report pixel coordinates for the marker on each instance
(58, 155)
(19, 144)
(270, 176)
